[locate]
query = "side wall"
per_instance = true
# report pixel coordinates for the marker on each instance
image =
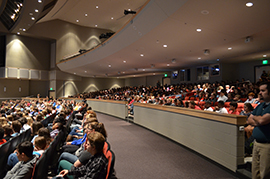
(26, 52)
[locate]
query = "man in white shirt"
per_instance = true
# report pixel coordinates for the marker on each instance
(222, 96)
(207, 106)
(220, 108)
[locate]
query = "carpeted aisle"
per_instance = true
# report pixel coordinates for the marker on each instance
(141, 153)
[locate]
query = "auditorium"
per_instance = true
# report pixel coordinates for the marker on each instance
(111, 59)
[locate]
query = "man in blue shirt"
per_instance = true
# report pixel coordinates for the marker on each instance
(260, 119)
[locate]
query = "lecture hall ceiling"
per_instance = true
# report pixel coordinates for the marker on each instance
(230, 30)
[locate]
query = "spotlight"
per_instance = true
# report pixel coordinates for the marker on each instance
(206, 52)
(173, 60)
(126, 12)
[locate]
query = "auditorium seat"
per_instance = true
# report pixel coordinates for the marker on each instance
(4, 151)
(111, 160)
(227, 104)
(254, 105)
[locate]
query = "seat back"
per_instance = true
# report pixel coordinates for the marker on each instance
(4, 151)
(111, 160)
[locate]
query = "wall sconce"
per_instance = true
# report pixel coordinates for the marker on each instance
(20, 89)
(5, 89)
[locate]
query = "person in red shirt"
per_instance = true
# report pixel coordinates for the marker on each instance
(2, 131)
(192, 105)
(233, 107)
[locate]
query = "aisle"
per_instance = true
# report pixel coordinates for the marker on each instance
(143, 154)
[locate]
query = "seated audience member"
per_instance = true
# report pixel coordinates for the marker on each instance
(233, 107)
(24, 124)
(192, 105)
(222, 96)
(220, 108)
(8, 132)
(251, 98)
(16, 126)
(96, 167)
(3, 121)
(24, 168)
(57, 127)
(207, 106)
(186, 104)
(35, 127)
(237, 98)
(248, 108)
(213, 98)
(40, 144)
(2, 132)
(230, 97)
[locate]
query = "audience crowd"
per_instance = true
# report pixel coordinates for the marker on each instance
(82, 156)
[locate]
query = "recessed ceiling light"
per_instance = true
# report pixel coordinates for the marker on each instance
(199, 58)
(124, 72)
(74, 73)
(154, 74)
(97, 7)
(205, 12)
(165, 46)
(249, 4)
(112, 18)
(264, 55)
(40, 1)
(33, 18)
(18, 33)
(168, 64)
(124, 61)
(129, 9)
(24, 30)
(86, 15)
(96, 25)
(217, 59)
(229, 48)
(143, 69)
(85, 71)
(77, 20)
(36, 10)
(134, 75)
(142, 55)
(198, 30)
(30, 13)
(109, 66)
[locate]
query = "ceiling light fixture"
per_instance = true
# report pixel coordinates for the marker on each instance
(124, 72)
(173, 60)
(77, 20)
(249, 4)
(96, 25)
(24, 30)
(40, 1)
(32, 18)
(199, 58)
(110, 66)
(229, 48)
(85, 15)
(129, 11)
(18, 33)
(143, 69)
(165, 46)
(36, 10)
(97, 7)
(264, 55)
(125, 61)
(112, 18)
(142, 55)
(198, 30)
(168, 64)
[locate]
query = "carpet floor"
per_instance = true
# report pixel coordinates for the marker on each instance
(141, 153)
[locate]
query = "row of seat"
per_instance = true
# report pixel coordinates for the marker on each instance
(7, 148)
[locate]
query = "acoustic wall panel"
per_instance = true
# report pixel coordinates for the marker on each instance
(24, 73)
(34, 74)
(12, 73)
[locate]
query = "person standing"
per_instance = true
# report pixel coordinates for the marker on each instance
(260, 119)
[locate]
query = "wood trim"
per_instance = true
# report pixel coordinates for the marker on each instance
(227, 118)
(108, 101)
